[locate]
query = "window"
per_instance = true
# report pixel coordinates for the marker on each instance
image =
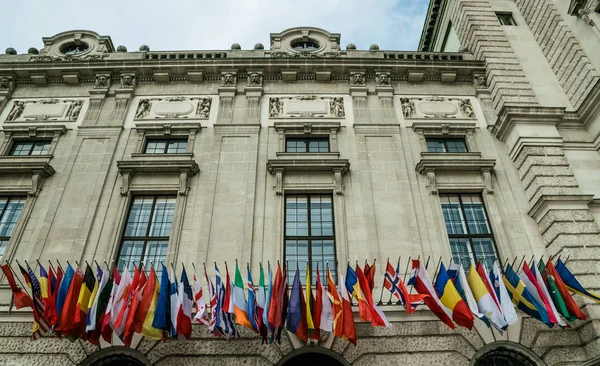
(10, 210)
(146, 234)
(451, 42)
(22, 148)
(164, 146)
(446, 145)
(305, 46)
(311, 145)
(470, 234)
(309, 235)
(506, 19)
(74, 49)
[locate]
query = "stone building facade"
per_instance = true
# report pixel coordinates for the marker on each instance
(234, 154)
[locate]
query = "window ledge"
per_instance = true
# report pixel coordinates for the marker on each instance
(318, 163)
(183, 165)
(38, 166)
(308, 156)
(162, 157)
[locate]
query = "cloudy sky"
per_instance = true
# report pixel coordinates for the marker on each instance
(213, 24)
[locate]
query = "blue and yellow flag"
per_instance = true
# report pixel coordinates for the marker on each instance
(522, 298)
(571, 282)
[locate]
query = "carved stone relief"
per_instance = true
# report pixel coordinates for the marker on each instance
(46, 58)
(307, 106)
(228, 79)
(102, 81)
(383, 79)
(5, 83)
(437, 107)
(254, 79)
(45, 110)
(173, 108)
(479, 81)
(357, 79)
(127, 81)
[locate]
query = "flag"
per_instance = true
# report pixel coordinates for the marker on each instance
(173, 303)
(313, 331)
(101, 307)
(542, 287)
(262, 304)
(225, 326)
(296, 316)
(63, 290)
(200, 316)
(251, 307)
(212, 296)
(20, 296)
(184, 315)
(348, 328)
(485, 301)
(92, 298)
(69, 309)
(460, 281)
(83, 300)
(420, 279)
(285, 299)
(120, 300)
(370, 275)
(106, 328)
(522, 298)
(265, 316)
(552, 276)
(448, 295)
(506, 305)
(47, 297)
(396, 286)
(40, 324)
(572, 284)
(162, 320)
(148, 307)
(275, 312)
(528, 277)
(365, 312)
(56, 281)
(228, 304)
(377, 316)
(323, 315)
(134, 323)
(93, 311)
(239, 301)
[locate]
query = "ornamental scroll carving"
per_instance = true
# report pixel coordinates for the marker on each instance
(307, 106)
(173, 108)
(437, 108)
(64, 110)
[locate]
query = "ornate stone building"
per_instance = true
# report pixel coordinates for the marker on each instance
(309, 152)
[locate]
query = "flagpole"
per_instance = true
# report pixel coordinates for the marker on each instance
(412, 285)
(24, 288)
(60, 265)
(382, 287)
(51, 266)
(514, 261)
(437, 267)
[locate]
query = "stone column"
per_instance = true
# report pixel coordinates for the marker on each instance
(254, 91)
(123, 95)
(97, 97)
(385, 92)
(227, 93)
(358, 92)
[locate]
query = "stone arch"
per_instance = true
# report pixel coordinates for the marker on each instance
(505, 353)
(314, 356)
(116, 356)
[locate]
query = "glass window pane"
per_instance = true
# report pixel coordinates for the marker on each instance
(156, 251)
(461, 252)
(177, 146)
(10, 215)
(131, 252)
(22, 148)
(456, 146)
(162, 219)
(435, 146)
(40, 148)
(139, 216)
(452, 214)
(3, 244)
(485, 251)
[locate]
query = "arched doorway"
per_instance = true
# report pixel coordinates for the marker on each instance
(503, 356)
(116, 356)
(313, 356)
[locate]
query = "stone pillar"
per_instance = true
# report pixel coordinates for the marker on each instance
(123, 95)
(358, 92)
(7, 85)
(385, 92)
(227, 93)
(254, 91)
(97, 97)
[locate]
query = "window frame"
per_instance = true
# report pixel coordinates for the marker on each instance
(501, 18)
(445, 141)
(167, 139)
(17, 141)
(7, 239)
(309, 238)
(307, 139)
(468, 234)
(146, 238)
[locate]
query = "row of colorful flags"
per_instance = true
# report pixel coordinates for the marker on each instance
(73, 303)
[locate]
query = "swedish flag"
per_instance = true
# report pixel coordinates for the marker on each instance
(522, 298)
(572, 283)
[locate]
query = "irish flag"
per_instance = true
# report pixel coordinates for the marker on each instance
(239, 301)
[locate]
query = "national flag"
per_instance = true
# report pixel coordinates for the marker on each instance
(92, 298)
(225, 326)
(119, 302)
(184, 315)
(275, 314)
(460, 281)
(162, 320)
(106, 328)
(422, 283)
(572, 283)
(265, 316)
(239, 301)
(173, 303)
(552, 276)
(228, 304)
(63, 290)
(396, 286)
(69, 309)
(47, 297)
(20, 296)
(506, 305)
(40, 324)
(200, 316)
(296, 316)
(101, 305)
(149, 306)
(262, 301)
(448, 295)
(522, 298)
(553, 294)
(528, 277)
(83, 300)
(93, 312)
(370, 275)
(485, 301)
(377, 316)
(348, 328)
(134, 323)
(55, 280)
(313, 331)
(285, 299)
(323, 315)
(542, 287)
(365, 312)
(251, 306)
(212, 296)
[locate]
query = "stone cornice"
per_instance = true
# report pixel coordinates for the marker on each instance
(316, 163)
(558, 202)
(160, 163)
(434, 13)
(459, 162)
(510, 116)
(38, 167)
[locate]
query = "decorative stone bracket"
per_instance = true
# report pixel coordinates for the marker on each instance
(338, 167)
(433, 163)
(38, 167)
(142, 165)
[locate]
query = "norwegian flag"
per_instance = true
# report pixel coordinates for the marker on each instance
(395, 285)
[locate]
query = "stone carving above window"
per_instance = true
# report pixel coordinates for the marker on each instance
(173, 108)
(77, 45)
(305, 42)
(437, 108)
(307, 106)
(63, 110)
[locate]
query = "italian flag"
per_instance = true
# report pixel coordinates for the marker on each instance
(239, 301)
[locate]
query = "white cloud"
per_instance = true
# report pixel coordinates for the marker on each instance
(206, 25)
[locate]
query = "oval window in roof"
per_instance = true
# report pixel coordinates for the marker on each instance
(74, 48)
(305, 45)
